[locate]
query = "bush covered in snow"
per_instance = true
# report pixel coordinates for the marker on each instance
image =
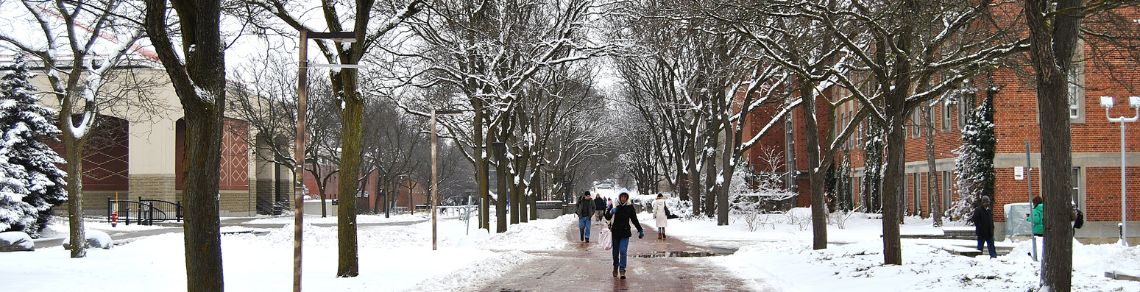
(16, 241)
(30, 182)
(95, 239)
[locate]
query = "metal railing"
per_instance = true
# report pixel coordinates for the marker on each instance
(144, 211)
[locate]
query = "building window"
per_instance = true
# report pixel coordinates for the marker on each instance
(947, 112)
(916, 125)
(965, 108)
(946, 188)
(790, 153)
(1077, 85)
(917, 194)
(1077, 93)
(1076, 185)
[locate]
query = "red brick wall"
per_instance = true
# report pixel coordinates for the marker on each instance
(234, 167)
(106, 159)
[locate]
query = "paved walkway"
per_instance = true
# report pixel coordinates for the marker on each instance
(653, 265)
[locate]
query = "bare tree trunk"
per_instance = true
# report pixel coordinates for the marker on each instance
(710, 171)
(1051, 52)
(516, 198)
(502, 196)
(693, 179)
(351, 135)
(73, 154)
(481, 166)
(200, 83)
(728, 156)
(815, 177)
(932, 170)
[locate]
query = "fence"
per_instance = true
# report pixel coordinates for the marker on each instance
(143, 211)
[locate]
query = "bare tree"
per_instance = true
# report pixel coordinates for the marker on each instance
(345, 85)
(77, 58)
(488, 52)
(197, 71)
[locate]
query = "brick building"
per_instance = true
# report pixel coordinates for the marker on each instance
(406, 194)
(1095, 145)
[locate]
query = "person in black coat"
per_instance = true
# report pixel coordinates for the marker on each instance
(983, 219)
(599, 207)
(585, 212)
(620, 218)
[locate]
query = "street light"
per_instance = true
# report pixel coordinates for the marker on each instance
(1134, 103)
(411, 201)
(434, 178)
(299, 144)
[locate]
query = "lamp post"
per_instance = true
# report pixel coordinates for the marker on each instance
(434, 171)
(299, 143)
(1134, 103)
(411, 202)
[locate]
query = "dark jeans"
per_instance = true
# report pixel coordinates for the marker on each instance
(987, 240)
(621, 249)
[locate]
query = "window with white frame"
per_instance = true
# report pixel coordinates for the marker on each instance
(1076, 185)
(1076, 80)
(947, 112)
(916, 124)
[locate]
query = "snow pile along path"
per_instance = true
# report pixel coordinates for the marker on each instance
(779, 257)
(392, 258)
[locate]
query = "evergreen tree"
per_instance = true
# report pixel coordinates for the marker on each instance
(873, 169)
(30, 182)
(975, 164)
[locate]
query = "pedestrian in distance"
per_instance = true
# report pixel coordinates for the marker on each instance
(620, 217)
(585, 212)
(599, 208)
(660, 215)
(1036, 216)
(983, 219)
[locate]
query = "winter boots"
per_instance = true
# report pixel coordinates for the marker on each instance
(615, 272)
(622, 273)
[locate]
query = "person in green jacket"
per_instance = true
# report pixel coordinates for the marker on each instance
(1036, 217)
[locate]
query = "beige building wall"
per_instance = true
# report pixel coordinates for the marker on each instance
(152, 146)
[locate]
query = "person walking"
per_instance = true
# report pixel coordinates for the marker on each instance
(660, 215)
(599, 208)
(1036, 216)
(983, 219)
(620, 217)
(585, 211)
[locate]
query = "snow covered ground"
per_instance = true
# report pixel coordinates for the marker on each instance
(779, 257)
(392, 258)
(317, 219)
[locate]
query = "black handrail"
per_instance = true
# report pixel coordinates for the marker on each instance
(146, 211)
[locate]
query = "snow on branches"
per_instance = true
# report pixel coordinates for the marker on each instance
(30, 182)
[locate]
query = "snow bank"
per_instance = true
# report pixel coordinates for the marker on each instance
(94, 238)
(392, 258)
(317, 219)
(16, 241)
(780, 258)
(477, 274)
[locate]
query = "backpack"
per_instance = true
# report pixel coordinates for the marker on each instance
(1080, 220)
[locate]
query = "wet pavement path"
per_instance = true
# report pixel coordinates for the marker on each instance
(653, 265)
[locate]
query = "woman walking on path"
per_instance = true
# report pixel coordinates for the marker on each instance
(660, 216)
(620, 217)
(585, 211)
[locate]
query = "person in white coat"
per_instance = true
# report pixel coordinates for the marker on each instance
(660, 216)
